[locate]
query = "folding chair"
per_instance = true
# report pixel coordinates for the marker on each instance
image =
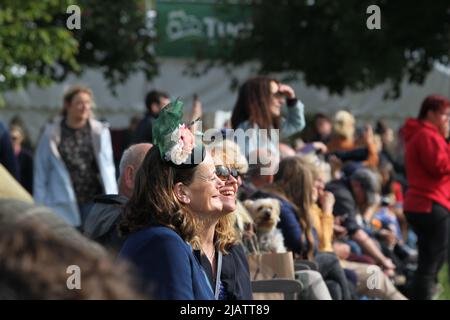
(289, 288)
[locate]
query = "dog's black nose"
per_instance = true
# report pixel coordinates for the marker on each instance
(267, 215)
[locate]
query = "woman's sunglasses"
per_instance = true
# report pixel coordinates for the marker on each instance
(279, 95)
(224, 173)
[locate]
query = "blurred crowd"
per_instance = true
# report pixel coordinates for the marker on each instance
(363, 208)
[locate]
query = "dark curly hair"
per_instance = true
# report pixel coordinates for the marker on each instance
(153, 201)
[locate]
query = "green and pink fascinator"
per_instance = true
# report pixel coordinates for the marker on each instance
(174, 139)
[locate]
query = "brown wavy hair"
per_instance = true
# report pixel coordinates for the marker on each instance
(71, 93)
(294, 182)
(34, 263)
(253, 104)
(154, 202)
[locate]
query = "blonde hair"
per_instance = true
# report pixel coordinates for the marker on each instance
(318, 166)
(72, 92)
(344, 124)
(225, 233)
(227, 153)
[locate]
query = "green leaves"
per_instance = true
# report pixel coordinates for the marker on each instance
(33, 37)
(30, 47)
(328, 41)
(114, 37)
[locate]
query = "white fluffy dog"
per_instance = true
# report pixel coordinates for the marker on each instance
(266, 214)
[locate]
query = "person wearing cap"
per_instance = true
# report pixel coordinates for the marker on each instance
(356, 191)
(342, 138)
(427, 200)
(175, 185)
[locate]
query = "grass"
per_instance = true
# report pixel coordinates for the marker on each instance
(444, 281)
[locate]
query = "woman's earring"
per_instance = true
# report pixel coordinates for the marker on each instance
(186, 200)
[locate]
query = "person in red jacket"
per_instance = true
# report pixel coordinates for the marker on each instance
(427, 200)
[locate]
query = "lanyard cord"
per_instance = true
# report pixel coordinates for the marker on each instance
(219, 270)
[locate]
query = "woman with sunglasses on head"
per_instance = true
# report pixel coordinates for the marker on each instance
(258, 106)
(219, 250)
(176, 190)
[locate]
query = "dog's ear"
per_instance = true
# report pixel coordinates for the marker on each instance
(249, 204)
(276, 206)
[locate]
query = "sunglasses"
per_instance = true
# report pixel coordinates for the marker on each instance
(278, 95)
(224, 173)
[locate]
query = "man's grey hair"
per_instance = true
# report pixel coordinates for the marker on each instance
(133, 156)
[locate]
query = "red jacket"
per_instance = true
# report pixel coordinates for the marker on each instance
(427, 161)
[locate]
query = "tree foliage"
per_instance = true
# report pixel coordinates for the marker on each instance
(117, 37)
(328, 42)
(31, 44)
(36, 46)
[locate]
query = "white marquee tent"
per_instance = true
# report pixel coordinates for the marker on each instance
(35, 105)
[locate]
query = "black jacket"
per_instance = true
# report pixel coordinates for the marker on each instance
(103, 219)
(235, 274)
(345, 206)
(25, 169)
(7, 158)
(143, 132)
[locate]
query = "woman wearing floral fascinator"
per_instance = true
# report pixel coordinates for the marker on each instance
(175, 185)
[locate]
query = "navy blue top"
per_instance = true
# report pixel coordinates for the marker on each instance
(143, 132)
(235, 275)
(166, 264)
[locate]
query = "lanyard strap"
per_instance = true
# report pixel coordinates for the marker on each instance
(219, 270)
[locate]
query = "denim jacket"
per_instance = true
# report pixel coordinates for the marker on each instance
(52, 184)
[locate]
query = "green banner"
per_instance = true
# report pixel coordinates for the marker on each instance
(188, 29)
